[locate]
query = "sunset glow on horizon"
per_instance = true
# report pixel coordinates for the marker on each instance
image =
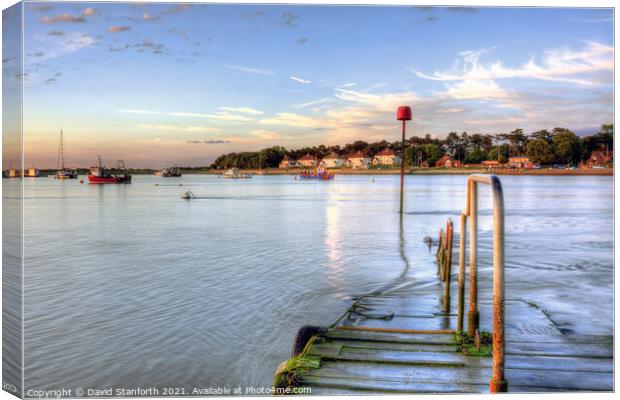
(156, 84)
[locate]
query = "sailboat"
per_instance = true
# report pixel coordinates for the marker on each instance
(64, 173)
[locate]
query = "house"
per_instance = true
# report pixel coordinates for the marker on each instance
(287, 162)
(333, 160)
(386, 157)
(600, 158)
(520, 162)
(307, 161)
(490, 163)
(447, 161)
(357, 160)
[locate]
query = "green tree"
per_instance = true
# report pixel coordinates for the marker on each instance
(567, 146)
(504, 151)
(539, 151)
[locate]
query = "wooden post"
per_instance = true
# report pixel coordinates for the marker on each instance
(439, 254)
(461, 291)
(498, 381)
(473, 320)
(448, 265)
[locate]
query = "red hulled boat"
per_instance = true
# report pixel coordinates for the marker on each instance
(99, 174)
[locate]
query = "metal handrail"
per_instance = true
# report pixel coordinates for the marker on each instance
(498, 382)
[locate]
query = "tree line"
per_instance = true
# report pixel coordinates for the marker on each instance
(544, 147)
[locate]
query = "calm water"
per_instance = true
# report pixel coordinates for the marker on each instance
(133, 286)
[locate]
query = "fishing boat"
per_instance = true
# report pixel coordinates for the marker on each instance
(99, 174)
(62, 172)
(321, 173)
(169, 172)
(234, 173)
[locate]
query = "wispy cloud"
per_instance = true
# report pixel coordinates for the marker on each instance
(89, 12)
(561, 65)
(244, 110)
(289, 19)
(222, 116)
(119, 28)
(251, 70)
(299, 79)
(291, 119)
(148, 17)
(63, 18)
(314, 103)
(180, 128)
(208, 141)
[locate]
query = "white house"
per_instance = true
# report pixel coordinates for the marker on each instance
(332, 160)
(287, 162)
(386, 157)
(307, 161)
(357, 160)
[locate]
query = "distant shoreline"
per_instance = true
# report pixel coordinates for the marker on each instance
(390, 171)
(435, 171)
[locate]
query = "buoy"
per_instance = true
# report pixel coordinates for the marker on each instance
(372, 180)
(157, 184)
(180, 184)
(81, 180)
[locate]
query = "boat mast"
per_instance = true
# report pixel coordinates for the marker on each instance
(61, 153)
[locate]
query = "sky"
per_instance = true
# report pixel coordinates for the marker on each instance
(156, 84)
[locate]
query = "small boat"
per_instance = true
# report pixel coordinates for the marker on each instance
(188, 195)
(100, 175)
(320, 173)
(62, 172)
(234, 173)
(169, 172)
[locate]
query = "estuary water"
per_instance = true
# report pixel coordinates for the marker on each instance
(131, 286)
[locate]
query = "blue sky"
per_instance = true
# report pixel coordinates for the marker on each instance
(162, 83)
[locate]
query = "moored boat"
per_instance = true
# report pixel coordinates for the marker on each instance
(320, 173)
(62, 172)
(169, 172)
(99, 174)
(234, 173)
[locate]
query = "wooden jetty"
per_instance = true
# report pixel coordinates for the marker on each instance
(413, 339)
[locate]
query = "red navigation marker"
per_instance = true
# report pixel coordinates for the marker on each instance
(402, 114)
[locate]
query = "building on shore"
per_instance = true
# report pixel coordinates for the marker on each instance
(333, 160)
(600, 158)
(307, 161)
(447, 161)
(357, 160)
(32, 172)
(520, 162)
(386, 157)
(287, 162)
(490, 163)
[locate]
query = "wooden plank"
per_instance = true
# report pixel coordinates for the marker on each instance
(388, 330)
(556, 380)
(560, 349)
(390, 337)
(398, 357)
(386, 386)
(449, 348)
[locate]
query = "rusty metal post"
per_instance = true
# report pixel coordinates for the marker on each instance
(498, 382)
(440, 250)
(461, 291)
(448, 265)
(473, 320)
